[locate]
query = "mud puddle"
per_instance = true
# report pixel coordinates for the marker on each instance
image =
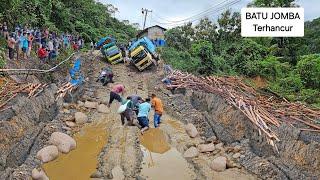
(82, 162)
(160, 161)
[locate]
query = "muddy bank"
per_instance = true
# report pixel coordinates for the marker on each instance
(27, 123)
(21, 128)
(299, 153)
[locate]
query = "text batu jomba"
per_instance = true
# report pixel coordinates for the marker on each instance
(272, 16)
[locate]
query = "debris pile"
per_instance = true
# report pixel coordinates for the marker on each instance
(64, 89)
(261, 110)
(10, 89)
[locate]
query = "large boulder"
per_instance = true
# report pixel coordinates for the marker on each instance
(39, 175)
(48, 154)
(91, 105)
(64, 142)
(219, 164)
(103, 108)
(80, 118)
(191, 152)
(191, 130)
(206, 148)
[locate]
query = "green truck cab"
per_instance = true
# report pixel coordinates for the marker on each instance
(110, 50)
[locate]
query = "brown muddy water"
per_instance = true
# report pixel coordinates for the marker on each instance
(80, 163)
(160, 161)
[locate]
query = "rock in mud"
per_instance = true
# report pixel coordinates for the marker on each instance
(96, 174)
(66, 128)
(70, 124)
(219, 164)
(219, 146)
(237, 148)
(191, 130)
(191, 152)
(39, 175)
(206, 148)
(80, 103)
(117, 173)
(80, 118)
(91, 105)
(236, 155)
(64, 142)
(66, 111)
(103, 108)
(66, 105)
(211, 139)
(48, 154)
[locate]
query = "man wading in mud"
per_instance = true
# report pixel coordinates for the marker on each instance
(143, 114)
(158, 110)
(114, 94)
(128, 113)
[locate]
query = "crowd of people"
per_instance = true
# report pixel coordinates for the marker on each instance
(47, 44)
(135, 106)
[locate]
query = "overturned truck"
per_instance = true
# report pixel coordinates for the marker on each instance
(143, 53)
(110, 50)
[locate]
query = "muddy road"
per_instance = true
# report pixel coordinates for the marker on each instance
(200, 137)
(108, 150)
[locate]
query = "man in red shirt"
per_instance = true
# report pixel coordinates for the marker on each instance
(114, 94)
(42, 53)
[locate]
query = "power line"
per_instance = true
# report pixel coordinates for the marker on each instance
(218, 9)
(198, 14)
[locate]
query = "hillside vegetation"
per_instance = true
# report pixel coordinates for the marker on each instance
(291, 66)
(89, 18)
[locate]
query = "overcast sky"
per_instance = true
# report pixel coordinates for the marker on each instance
(167, 12)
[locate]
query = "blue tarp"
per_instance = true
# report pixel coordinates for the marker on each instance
(103, 40)
(75, 74)
(159, 42)
(144, 42)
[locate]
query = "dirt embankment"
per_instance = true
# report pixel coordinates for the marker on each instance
(26, 123)
(299, 152)
(22, 129)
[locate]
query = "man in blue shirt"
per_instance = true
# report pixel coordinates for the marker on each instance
(24, 45)
(143, 114)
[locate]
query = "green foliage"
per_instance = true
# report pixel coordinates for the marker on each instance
(309, 70)
(309, 95)
(2, 58)
(291, 83)
(180, 60)
(244, 55)
(85, 17)
(271, 68)
(219, 49)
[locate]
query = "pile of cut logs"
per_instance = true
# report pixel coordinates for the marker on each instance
(64, 89)
(10, 89)
(261, 110)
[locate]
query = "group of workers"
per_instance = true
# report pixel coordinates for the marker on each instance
(135, 106)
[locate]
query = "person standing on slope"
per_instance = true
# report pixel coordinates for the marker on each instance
(158, 110)
(11, 45)
(114, 94)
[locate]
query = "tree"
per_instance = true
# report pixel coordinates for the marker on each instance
(205, 30)
(180, 37)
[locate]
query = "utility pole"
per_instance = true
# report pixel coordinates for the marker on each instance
(145, 12)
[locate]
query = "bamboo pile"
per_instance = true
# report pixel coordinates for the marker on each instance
(10, 89)
(262, 111)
